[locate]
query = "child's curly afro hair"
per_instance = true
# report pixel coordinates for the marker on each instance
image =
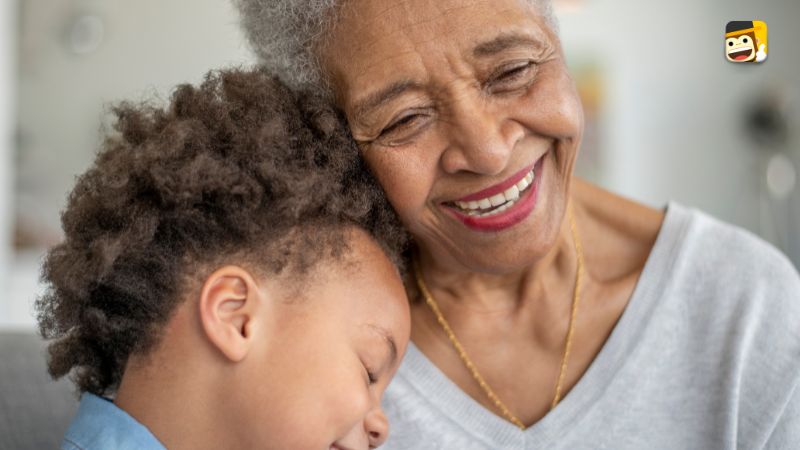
(239, 164)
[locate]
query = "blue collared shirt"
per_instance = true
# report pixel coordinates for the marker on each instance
(100, 424)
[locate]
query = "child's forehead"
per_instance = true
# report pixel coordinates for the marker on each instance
(367, 297)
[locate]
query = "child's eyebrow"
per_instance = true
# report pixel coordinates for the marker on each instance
(390, 344)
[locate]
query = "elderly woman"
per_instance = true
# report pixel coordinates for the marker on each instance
(547, 312)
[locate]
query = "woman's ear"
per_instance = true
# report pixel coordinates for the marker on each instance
(229, 305)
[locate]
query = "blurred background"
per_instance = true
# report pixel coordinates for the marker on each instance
(668, 117)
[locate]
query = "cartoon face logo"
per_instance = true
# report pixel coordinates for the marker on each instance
(741, 49)
(746, 41)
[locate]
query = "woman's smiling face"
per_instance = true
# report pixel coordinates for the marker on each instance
(467, 116)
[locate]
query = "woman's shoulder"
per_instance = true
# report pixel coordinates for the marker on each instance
(737, 297)
(708, 273)
(726, 304)
(731, 283)
(727, 256)
(710, 252)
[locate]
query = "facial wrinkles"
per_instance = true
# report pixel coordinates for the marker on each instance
(446, 248)
(400, 25)
(438, 55)
(433, 231)
(460, 94)
(433, 228)
(367, 126)
(370, 31)
(449, 84)
(465, 103)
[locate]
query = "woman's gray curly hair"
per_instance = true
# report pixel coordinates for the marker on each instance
(285, 34)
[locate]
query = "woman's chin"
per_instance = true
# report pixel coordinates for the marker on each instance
(512, 248)
(505, 254)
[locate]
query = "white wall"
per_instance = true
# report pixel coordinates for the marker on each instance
(7, 106)
(673, 123)
(147, 47)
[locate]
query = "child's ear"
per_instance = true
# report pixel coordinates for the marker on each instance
(229, 303)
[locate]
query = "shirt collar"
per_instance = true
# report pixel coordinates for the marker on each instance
(100, 424)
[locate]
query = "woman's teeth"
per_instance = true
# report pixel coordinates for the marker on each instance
(497, 203)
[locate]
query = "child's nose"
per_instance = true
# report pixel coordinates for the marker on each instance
(377, 427)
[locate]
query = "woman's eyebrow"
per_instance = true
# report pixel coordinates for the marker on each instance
(384, 95)
(496, 45)
(504, 42)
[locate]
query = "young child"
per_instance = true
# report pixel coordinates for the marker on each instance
(226, 278)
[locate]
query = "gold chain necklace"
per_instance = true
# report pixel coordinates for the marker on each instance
(468, 362)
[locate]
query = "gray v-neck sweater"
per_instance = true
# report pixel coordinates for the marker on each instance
(705, 356)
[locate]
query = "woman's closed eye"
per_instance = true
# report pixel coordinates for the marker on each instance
(409, 124)
(404, 128)
(518, 76)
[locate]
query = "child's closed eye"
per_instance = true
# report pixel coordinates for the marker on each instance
(371, 375)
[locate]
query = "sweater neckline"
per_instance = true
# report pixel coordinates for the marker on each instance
(496, 432)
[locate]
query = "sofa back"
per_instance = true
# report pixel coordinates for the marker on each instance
(35, 411)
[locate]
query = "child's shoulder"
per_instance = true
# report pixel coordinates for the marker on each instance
(100, 424)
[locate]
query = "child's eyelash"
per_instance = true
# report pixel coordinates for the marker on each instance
(372, 377)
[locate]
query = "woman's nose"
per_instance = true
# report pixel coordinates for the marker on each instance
(477, 139)
(377, 427)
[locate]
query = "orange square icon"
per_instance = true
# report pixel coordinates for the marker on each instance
(746, 41)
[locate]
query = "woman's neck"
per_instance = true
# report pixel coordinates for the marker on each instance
(456, 287)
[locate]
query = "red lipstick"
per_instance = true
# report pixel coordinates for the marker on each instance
(498, 188)
(513, 215)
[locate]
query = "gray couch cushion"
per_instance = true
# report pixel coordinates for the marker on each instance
(34, 410)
